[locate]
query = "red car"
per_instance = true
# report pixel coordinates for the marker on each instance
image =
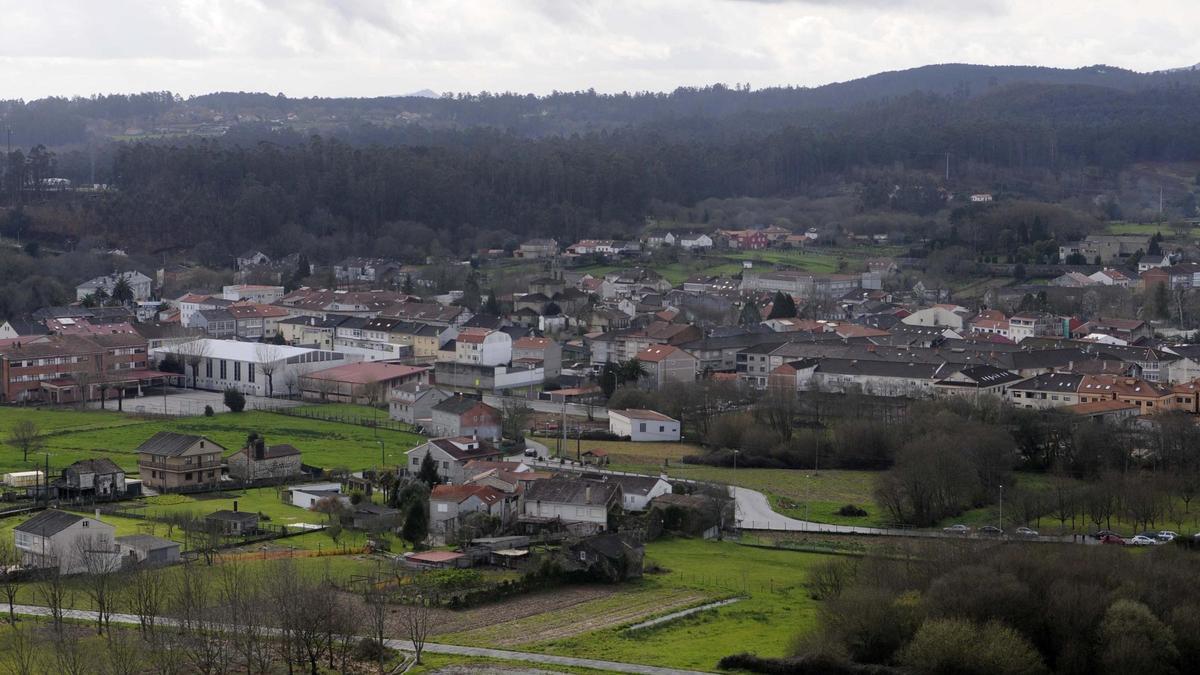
(1112, 539)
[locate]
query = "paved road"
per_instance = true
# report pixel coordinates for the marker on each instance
(405, 645)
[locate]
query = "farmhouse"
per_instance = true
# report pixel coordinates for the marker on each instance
(71, 542)
(582, 505)
(450, 456)
(170, 461)
(263, 462)
(465, 416)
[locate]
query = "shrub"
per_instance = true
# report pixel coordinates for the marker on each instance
(208, 411)
(234, 400)
(959, 646)
(852, 511)
(815, 664)
(370, 650)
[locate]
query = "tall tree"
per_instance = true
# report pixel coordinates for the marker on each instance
(782, 307)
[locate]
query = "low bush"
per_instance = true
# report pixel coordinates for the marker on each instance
(801, 665)
(852, 511)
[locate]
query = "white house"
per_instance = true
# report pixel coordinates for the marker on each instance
(139, 285)
(637, 491)
(950, 316)
(305, 496)
(483, 346)
(254, 368)
(694, 241)
(582, 504)
(643, 425)
(72, 542)
(252, 293)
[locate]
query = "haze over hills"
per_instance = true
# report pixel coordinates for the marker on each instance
(61, 122)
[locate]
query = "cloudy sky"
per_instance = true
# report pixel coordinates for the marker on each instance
(381, 47)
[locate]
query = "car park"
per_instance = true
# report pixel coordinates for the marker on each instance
(1026, 532)
(956, 529)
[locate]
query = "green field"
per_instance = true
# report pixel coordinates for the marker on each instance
(1141, 228)
(70, 436)
(776, 607)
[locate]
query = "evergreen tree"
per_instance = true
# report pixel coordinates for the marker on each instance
(750, 315)
(1162, 301)
(428, 473)
(609, 376)
(491, 305)
(416, 522)
(783, 307)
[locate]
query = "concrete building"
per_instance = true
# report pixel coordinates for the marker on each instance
(450, 456)
(583, 506)
(643, 425)
(665, 364)
(363, 383)
(265, 463)
(256, 293)
(306, 496)
(69, 541)
(258, 369)
(170, 461)
(139, 284)
(483, 347)
(465, 416)
(413, 403)
(539, 351)
(147, 550)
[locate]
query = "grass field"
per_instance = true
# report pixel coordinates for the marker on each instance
(1141, 228)
(812, 262)
(71, 436)
(776, 607)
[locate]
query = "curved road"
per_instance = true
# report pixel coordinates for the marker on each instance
(754, 512)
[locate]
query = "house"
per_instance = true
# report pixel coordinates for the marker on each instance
(147, 550)
(541, 351)
(594, 457)
(232, 523)
(1035, 324)
(1073, 280)
(1048, 390)
(428, 313)
(363, 270)
(140, 286)
(667, 363)
(584, 506)
(218, 324)
(694, 241)
(1149, 262)
(449, 503)
(256, 293)
(643, 425)
(1112, 277)
(948, 316)
(69, 541)
(171, 461)
(263, 462)
(450, 456)
(483, 346)
(306, 496)
(252, 258)
(637, 491)
(366, 383)
(465, 416)
(413, 403)
(1128, 330)
(537, 248)
(98, 478)
(256, 369)
(974, 381)
(609, 557)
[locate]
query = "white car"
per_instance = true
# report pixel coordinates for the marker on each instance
(1141, 540)
(1167, 535)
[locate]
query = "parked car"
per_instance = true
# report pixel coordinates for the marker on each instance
(1026, 532)
(1104, 533)
(1142, 540)
(991, 531)
(1111, 538)
(1167, 535)
(956, 529)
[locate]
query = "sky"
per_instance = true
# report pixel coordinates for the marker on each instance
(389, 47)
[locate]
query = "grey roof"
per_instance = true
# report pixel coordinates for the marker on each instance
(233, 516)
(168, 444)
(146, 542)
(49, 523)
(99, 465)
(482, 451)
(355, 322)
(216, 315)
(1056, 382)
(985, 375)
(25, 327)
(630, 485)
(887, 368)
(571, 491)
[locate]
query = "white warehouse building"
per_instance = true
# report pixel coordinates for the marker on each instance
(643, 425)
(253, 368)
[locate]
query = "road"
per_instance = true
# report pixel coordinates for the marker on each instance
(405, 645)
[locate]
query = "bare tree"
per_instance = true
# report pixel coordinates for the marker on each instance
(147, 596)
(22, 651)
(415, 617)
(26, 437)
(54, 593)
(291, 380)
(268, 362)
(10, 584)
(514, 418)
(101, 566)
(69, 655)
(193, 353)
(375, 597)
(122, 655)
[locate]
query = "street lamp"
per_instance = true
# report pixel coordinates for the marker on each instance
(1002, 509)
(735, 454)
(382, 457)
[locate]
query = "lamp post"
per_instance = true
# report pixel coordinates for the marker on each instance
(382, 456)
(1001, 509)
(735, 454)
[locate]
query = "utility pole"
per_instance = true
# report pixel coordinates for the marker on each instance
(1001, 509)
(947, 167)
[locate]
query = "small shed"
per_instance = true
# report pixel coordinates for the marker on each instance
(148, 550)
(595, 457)
(232, 523)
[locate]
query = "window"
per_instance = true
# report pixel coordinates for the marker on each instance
(187, 476)
(662, 428)
(442, 508)
(222, 369)
(250, 374)
(445, 465)
(416, 461)
(642, 426)
(237, 371)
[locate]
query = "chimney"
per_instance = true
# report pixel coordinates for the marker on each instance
(235, 506)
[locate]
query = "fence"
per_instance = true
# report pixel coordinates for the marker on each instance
(383, 421)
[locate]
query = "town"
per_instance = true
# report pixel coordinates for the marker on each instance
(659, 338)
